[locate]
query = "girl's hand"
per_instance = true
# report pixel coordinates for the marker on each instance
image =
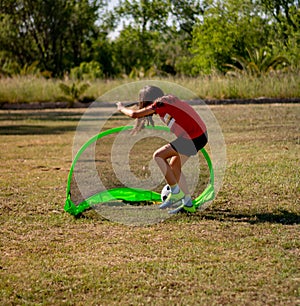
(120, 106)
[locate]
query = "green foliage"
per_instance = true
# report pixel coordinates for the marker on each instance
(87, 71)
(8, 67)
(30, 69)
(55, 33)
(167, 37)
(285, 12)
(135, 49)
(257, 63)
(290, 48)
(186, 14)
(147, 15)
(227, 28)
(73, 91)
(158, 36)
(103, 52)
(140, 73)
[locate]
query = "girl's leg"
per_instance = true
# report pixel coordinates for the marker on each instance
(161, 157)
(172, 171)
(173, 175)
(176, 164)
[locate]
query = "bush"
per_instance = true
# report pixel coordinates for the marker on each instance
(87, 71)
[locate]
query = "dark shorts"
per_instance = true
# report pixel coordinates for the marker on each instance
(189, 147)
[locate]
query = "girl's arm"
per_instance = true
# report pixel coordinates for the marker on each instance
(134, 113)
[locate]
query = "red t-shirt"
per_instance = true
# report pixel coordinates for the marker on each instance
(179, 116)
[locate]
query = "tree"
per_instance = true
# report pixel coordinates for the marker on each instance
(56, 33)
(145, 15)
(185, 14)
(138, 42)
(285, 12)
(135, 49)
(228, 28)
(285, 16)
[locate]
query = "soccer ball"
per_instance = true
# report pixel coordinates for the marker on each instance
(165, 192)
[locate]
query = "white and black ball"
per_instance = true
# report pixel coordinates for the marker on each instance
(165, 192)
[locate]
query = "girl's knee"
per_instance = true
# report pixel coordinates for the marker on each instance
(156, 155)
(164, 152)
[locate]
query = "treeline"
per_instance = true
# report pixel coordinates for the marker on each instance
(55, 38)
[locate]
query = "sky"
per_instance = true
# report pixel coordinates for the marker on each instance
(111, 5)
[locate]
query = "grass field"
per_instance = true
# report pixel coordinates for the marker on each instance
(244, 249)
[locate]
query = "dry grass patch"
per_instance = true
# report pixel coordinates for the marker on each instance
(242, 250)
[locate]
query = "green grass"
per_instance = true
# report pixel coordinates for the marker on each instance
(242, 250)
(31, 89)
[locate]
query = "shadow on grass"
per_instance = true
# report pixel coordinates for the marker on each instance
(34, 122)
(280, 217)
(41, 116)
(66, 116)
(35, 129)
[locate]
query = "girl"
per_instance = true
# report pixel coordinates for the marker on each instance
(191, 135)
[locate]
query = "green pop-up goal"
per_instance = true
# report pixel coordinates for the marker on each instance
(125, 193)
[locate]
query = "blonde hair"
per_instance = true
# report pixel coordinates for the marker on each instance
(147, 96)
